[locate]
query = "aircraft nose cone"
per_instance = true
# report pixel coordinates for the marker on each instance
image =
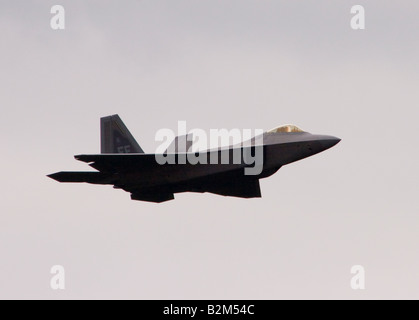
(329, 141)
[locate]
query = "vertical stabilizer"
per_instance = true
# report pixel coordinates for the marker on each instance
(116, 138)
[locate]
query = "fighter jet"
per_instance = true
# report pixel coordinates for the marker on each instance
(123, 163)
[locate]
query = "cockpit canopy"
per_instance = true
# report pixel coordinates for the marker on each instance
(286, 128)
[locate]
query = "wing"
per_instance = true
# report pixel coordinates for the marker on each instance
(112, 163)
(111, 169)
(136, 173)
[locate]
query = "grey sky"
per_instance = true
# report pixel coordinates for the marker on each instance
(215, 64)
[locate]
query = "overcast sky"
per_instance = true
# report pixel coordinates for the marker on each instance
(216, 64)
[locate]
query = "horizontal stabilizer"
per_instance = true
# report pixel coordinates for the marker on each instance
(88, 177)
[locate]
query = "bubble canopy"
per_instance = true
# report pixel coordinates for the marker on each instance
(287, 128)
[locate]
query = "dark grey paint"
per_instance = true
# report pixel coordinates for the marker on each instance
(139, 173)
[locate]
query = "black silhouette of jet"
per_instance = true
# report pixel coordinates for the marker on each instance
(123, 164)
